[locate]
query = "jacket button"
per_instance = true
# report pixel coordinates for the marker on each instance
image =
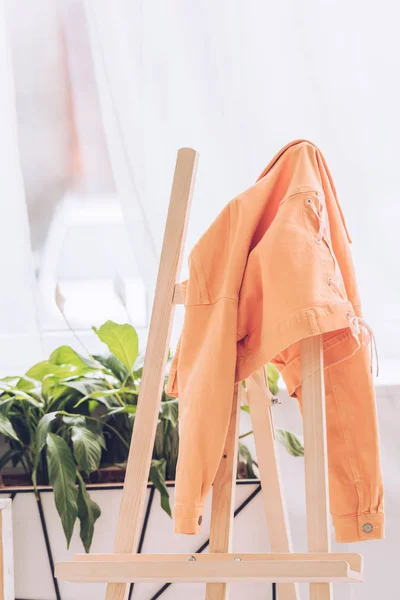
(200, 520)
(367, 528)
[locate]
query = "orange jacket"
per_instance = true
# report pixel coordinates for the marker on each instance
(275, 267)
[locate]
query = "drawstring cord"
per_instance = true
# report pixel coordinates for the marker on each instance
(358, 325)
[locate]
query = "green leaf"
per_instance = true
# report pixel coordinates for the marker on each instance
(95, 428)
(51, 387)
(102, 394)
(87, 450)
(87, 386)
(88, 513)
(42, 430)
(246, 458)
(169, 411)
(6, 404)
(62, 476)
(19, 394)
(92, 405)
(273, 378)
(113, 364)
(27, 384)
(65, 355)
(10, 380)
(129, 409)
(9, 455)
(40, 370)
(122, 341)
(157, 477)
(245, 408)
(158, 450)
(138, 366)
(292, 443)
(77, 420)
(170, 451)
(7, 429)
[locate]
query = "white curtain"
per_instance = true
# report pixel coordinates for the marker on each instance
(20, 340)
(237, 80)
(119, 73)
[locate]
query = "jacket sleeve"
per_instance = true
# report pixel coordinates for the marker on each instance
(202, 376)
(356, 488)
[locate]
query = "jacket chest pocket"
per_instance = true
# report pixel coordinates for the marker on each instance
(316, 220)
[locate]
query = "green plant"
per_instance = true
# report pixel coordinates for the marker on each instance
(70, 415)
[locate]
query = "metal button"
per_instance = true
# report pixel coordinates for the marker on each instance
(200, 520)
(367, 527)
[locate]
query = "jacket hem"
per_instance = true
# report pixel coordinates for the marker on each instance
(307, 323)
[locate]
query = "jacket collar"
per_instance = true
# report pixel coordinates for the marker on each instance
(279, 154)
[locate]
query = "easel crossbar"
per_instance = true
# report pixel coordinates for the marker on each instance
(218, 567)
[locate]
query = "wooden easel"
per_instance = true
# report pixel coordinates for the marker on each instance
(219, 567)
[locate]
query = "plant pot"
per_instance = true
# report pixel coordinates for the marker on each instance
(39, 542)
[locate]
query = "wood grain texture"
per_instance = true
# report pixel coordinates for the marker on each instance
(354, 559)
(223, 499)
(214, 570)
(315, 454)
(137, 471)
(259, 400)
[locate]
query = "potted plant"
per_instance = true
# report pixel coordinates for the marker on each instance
(68, 422)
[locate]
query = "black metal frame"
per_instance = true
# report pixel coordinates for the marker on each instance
(13, 493)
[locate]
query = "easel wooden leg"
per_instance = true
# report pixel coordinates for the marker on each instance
(315, 455)
(6, 552)
(223, 499)
(259, 399)
(142, 443)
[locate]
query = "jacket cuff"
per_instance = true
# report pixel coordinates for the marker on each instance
(188, 519)
(368, 526)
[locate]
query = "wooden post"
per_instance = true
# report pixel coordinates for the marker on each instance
(223, 499)
(6, 552)
(137, 471)
(315, 454)
(260, 403)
